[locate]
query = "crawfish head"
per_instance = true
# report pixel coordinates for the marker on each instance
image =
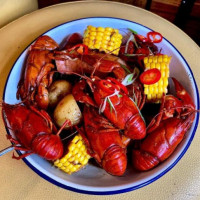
(37, 74)
(44, 43)
(32, 130)
(180, 106)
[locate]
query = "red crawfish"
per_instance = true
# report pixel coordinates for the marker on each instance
(33, 130)
(167, 129)
(37, 76)
(111, 97)
(105, 142)
(79, 59)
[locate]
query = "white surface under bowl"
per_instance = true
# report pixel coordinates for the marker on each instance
(92, 179)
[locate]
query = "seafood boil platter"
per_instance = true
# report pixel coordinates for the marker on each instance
(99, 106)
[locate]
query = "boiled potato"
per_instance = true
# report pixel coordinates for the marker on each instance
(67, 108)
(58, 90)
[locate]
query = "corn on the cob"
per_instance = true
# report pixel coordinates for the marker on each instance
(76, 157)
(155, 91)
(104, 39)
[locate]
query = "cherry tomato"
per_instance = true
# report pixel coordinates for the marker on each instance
(150, 76)
(81, 48)
(154, 37)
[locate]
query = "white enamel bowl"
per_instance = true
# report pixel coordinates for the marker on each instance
(93, 180)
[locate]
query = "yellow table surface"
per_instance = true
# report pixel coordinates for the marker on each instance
(17, 180)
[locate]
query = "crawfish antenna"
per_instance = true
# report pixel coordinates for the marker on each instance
(67, 122)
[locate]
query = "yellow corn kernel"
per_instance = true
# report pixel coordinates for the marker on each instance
(113, 39)
(75, 158)
(160, 89)
(117, 44)
(66, 170)
(86, 39)
(98, 38)
(82, 148)
(100, 29)
(97, 46)
(56, 162)
(145, 60)
(90, 46)
(163, 73)
(107, 33)
(160, 59)
(165, 81)
(152, 65)
(69, 155)
(91, 28)
(110, 48)
(59, 165)
(63, 160)
(150, 59)
(151, 89)
(92, 37)
(84, 162)
(159, 96)
(155, 85)
(106, 37)
(109, 39)
(148, 96)
(66, 163)
(93, 33)
(155, 91)
(104, 42)
(109, 29)
(155, 59)
(153, 96)
(148, 65)
(163, 65)
(100, 34)
(111, 43)
(71, 147)
(157, 65)
(115, 52)
(146, 89)
(71, 159)
(81, 159)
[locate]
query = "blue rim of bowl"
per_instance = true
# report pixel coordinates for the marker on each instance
(126, 189)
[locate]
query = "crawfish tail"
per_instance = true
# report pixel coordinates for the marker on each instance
(114, 160)
(135, 127)
(143, 161)
(48, 146)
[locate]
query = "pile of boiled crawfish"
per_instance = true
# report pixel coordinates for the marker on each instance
(116, 127)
